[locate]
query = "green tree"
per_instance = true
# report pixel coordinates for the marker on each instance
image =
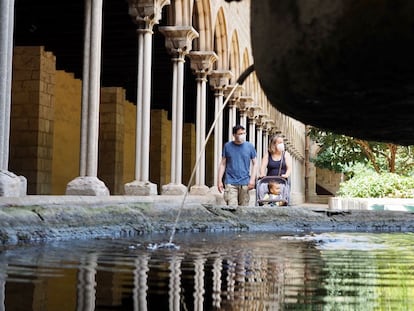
(340, 153)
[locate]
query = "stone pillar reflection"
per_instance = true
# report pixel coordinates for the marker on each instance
(86, 293)
(88, 183)
(231, 278)
(11, 185)
(217, 274)
(145, 15)
(3, 277)
(141, 283)
(219, 79)
(201, 64)
(178, 40)
(199, 290)
(174, 292)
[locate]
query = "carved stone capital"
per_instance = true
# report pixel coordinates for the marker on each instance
(202, 61)
(269, 123)
(236, 94)
(245, 102)
(178, 39)
(219, 79)
(261, 119)
(146, 13)
(253, 111)
(275, 130)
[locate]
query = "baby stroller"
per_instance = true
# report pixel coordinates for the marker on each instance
(263, 197)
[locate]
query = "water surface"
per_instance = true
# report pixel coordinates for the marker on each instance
(212, 271)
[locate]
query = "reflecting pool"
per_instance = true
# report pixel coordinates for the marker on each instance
(212, 271)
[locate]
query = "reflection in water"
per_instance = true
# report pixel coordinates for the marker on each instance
(244, 271)
(86, 282)
(3, 277)
(217, 271)
(199, 283)
(140, 283)
(175, 284)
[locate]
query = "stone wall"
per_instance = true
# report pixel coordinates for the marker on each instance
(32, 117)
(66, 138)
(130, 125)
(189, 154)
(328, 180)
(111, 139)
(160, 151)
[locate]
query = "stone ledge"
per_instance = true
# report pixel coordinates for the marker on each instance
(376, 204)
(47, 218)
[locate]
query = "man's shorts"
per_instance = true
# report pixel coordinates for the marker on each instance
(236, 195)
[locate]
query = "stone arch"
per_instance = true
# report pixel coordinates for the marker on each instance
(234, 57)
(203, 25)
(255, 88)
(179, 12)
(220, 41)
(249, 81)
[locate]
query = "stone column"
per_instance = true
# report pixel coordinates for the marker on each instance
(259, 143)
(244, 104)
(269, 126)
(145, 14)
(219, 79)
(251, 115)
(11, 185)
(178, 43)
(265, 134)
(233, 102)
(88, 183)
(201, 64)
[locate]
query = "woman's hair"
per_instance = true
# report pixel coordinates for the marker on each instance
(272, 146)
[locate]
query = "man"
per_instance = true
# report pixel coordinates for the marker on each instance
(235, 163)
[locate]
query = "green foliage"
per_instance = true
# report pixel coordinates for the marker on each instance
(340, 153)
(369, 184)
(336, 152)
(372, 169)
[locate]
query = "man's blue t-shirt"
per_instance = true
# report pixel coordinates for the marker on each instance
(238, 157)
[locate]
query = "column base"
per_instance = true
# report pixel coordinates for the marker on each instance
(87, 185)
(144, 188)
(12, 185)
(199, 190)
(173, 189)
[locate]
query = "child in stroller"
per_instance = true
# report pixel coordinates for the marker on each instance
(273, 191)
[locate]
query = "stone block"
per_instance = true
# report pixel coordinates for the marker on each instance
(87, 186)
(12, 185)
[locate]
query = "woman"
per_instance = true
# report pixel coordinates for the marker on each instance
(277, 162)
